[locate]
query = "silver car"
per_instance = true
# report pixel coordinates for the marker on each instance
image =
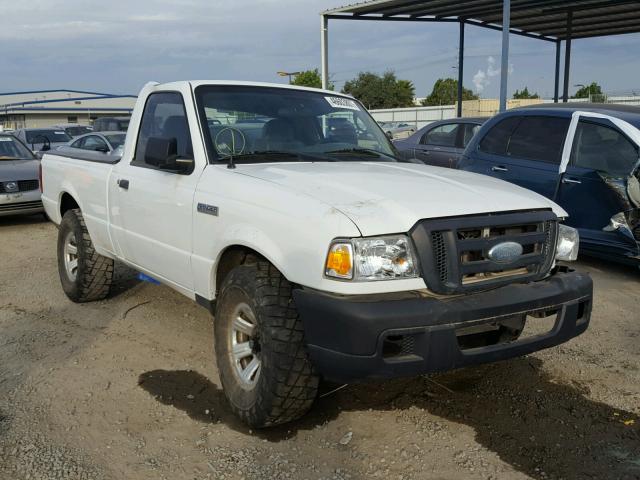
(19, 184)
(42, 139)
(96, 145)
(395, 130)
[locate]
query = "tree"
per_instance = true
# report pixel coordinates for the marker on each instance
(385, 91)
(445, 92)
(593, 91)
(309, 78)
(524, 94)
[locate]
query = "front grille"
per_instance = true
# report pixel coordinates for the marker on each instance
(440, 255)
(27, 185)
(23, 186)
(454, 252)
(19, 206)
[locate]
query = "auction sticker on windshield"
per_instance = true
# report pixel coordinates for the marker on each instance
(341, 102)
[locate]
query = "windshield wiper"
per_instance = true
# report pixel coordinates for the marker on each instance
(361, 151)
(285, 156)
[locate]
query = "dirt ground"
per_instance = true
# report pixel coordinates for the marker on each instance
(127, 388)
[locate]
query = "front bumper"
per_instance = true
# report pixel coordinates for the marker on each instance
(346, 335)
(21, 203)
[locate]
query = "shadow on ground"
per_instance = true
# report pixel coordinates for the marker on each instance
(622, 270)
(19, 220)
(540, 427)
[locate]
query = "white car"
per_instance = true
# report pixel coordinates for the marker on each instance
(319, 253)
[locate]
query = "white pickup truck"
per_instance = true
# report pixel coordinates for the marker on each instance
(285, 211)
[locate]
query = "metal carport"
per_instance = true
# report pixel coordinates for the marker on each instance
(548, 20)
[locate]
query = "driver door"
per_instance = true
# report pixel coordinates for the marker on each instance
(152, 209)
(438, 146)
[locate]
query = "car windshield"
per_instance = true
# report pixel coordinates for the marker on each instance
(116, 139)
(54, 136)
(267, 124)
(77, 131)
(11, 149)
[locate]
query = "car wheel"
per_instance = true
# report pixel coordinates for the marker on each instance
(85, 275)
(265, 371)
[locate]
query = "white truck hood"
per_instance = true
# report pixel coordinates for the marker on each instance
(383, 197)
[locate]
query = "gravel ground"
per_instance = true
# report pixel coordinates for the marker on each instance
(127, 388)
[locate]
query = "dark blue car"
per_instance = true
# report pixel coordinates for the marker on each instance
(594, 177)
(440, 143)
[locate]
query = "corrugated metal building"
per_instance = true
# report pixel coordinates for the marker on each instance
(42, 108)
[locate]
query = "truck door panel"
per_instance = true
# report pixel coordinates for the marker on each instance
(152, 213)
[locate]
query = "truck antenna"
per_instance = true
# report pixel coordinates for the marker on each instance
(231, 164)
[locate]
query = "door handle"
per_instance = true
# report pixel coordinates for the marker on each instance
(570, 180)
(124, 184)
(499, 168)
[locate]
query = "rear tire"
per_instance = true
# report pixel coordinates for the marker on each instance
(265, 371)
(85, 275)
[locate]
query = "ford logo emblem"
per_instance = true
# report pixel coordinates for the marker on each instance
(505, 252)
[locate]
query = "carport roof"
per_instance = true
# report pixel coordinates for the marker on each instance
(544, 19)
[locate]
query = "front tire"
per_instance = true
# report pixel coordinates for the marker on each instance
(265, 371)
(85, 275)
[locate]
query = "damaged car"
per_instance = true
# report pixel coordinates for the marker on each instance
(585, 157)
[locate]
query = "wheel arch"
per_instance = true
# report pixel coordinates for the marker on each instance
(67, 202)
(232, 256)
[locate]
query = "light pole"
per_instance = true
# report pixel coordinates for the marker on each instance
(288, 74)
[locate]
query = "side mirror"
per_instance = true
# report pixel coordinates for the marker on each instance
(102, 148)
(389, 135)
(162, 153)
(45, 147)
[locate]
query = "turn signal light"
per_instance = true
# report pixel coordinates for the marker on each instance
(340, 261)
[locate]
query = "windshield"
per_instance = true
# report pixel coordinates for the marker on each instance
(116, 139)
(255, 124)
(11, 149)
(54, 136)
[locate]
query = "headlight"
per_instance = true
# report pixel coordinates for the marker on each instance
(568, 242)
(366, 259)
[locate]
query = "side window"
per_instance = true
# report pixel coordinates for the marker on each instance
(598, 147)
(497, 139)
(164, 116)
(470, 130)
(78, 143)
(94, 143)
(539, 138)
(444, 135)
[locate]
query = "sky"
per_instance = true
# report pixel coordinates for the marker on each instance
(118, 46)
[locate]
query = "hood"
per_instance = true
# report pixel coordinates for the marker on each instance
(382, 197)
(18, 170)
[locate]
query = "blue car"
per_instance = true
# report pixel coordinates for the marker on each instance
(583, 156)
(440, 143)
